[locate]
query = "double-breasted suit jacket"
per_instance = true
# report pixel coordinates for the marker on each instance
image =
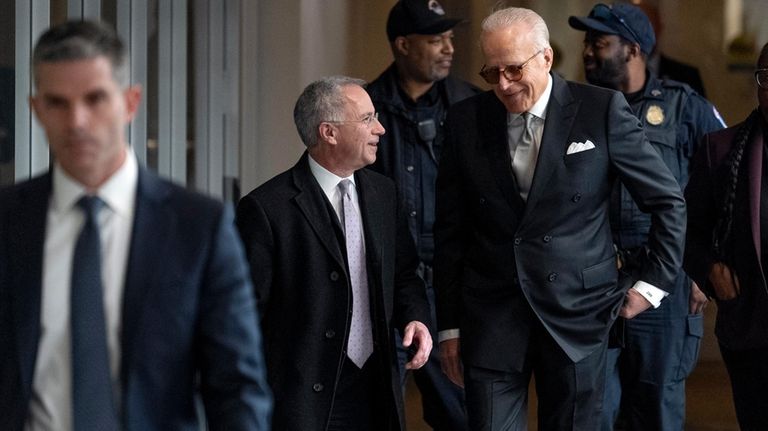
(296, 250)
(501, 261)
(188, 312)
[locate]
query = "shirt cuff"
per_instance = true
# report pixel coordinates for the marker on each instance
(447, 334)
(653, 294)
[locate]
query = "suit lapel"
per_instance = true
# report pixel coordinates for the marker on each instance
(493, 132)
(372, 211)
(561, 112)
(153, 224)
(314, 205)
(27, 241)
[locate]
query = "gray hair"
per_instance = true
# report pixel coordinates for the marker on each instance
(83, 40)
(322, 100)
(505, 18)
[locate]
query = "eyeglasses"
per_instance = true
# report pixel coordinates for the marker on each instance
(367, 120)
(761, 76)
(605, 13)
(513, 72)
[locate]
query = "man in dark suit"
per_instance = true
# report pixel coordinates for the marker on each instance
(123, 298)
(335, 270)
(525, 267)
(726, 249)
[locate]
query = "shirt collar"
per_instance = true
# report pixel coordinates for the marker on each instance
(328, 180)
(539, 108)
(118, 192)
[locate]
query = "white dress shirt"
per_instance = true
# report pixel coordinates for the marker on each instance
(329, 183)
(51, 402)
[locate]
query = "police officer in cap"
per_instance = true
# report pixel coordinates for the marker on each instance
(653, 353)
(412, 97)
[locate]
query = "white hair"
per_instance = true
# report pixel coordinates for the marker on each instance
(508, 17)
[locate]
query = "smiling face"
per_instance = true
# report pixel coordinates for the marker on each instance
(355, 142)
(605, 60)
(427, 58)
(512, 46)
(84, 111)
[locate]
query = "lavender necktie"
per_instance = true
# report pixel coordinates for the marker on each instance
(92, 404)
(360, 342)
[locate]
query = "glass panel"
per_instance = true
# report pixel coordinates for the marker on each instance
(7, 90)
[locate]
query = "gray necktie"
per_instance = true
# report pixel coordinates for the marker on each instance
(360, 342)
(92, 404)
(524, 160)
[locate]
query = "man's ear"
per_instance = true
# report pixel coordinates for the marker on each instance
(132, 100)
(327, 132)
(633, 51)
(401, 45)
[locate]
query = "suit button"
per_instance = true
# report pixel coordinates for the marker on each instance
(318, 387)
(547, 238)
(576, 197)
(518, 241)
(334, 276)
(516, 281)
(413, 214)
(330, 333)
(409, 168)
(552, 276)
(482, 201)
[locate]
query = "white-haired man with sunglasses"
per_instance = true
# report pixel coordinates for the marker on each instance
(525, 267)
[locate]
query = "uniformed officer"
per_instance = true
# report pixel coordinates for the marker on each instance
(655, 352)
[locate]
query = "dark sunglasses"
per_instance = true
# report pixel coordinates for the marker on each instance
(602, 12)
(513, 72)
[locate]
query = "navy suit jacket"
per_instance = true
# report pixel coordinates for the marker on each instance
(501, 262)
(189, 321)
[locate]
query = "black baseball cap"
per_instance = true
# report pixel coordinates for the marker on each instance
(625, 20)
(418, 17)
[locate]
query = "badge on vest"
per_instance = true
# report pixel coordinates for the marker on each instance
(654, 115)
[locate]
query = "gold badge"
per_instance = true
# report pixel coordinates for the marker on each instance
(655, 115)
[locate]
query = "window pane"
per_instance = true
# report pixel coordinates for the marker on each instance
(7, 91)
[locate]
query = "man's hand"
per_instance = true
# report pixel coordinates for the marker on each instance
(698, 300)
(450, 361)
(634, 304)
(724, 281)
(416, 332)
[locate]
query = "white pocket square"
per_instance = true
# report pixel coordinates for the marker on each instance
(577, 147)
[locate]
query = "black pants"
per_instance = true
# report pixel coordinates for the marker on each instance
(569, 394)
(362, 401)
(748, 370)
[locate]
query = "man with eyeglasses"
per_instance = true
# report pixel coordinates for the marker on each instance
(334, 272)
(413, 96)
(653, 353)
(726, 249)
(525, 268)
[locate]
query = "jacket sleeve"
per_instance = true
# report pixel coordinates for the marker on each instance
(233, 372)
(654, 189)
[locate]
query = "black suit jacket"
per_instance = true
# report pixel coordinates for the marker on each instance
(188, 322)
(295, 247)
(498, 257)
(742, 322)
